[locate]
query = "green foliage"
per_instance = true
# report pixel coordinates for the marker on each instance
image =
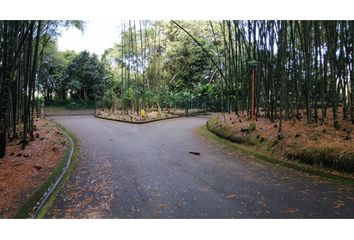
(187, 95)
(52, 72)
(185, 57)
(86, 76)
(205, 90)
(162, 64)
(252, 126)
(171, 98)
(173, 63)
(81, 75)
(129, 94)
(110, 99)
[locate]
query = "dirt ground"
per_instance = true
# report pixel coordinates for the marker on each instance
(299, 132)
(296, 134)
(23, 171)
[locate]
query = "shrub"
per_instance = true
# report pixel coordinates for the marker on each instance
(252, 126)
(110, 99)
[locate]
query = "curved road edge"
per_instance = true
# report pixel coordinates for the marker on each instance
(212, 137)
(43, 198)
(125, 121)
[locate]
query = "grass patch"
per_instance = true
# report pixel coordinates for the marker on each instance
(326, 156)
(27, 208)
(268, 157)
(226, 132)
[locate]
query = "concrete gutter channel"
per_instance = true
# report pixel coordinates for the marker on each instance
(40, 203)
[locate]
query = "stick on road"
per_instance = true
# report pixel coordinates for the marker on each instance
(148, 171)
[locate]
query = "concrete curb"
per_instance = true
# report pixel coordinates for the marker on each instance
(50, 190)
(299, 166)
(149, 121)
(42, 195)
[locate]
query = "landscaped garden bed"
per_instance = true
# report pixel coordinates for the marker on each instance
(143, 117)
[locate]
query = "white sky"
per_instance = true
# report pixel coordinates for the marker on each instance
(98, 36)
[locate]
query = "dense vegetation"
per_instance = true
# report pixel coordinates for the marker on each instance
(22, 45)
(154, 64)
(299, 65)
(69, 75)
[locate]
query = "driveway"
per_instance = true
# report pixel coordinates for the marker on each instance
(146, 171)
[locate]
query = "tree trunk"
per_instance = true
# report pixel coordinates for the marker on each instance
(5, 79)
(352, 74)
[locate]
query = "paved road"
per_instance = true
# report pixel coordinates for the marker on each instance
(146, 171)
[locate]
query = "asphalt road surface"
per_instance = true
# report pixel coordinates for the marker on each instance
(146, 171)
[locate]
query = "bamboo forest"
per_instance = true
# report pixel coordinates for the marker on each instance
(175, 112)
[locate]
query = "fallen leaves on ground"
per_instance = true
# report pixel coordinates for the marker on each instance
(232, 196)
(338, 204)
(295, 133)
(291, 210)
(23, 171)
(88, 194)
(162, 206)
